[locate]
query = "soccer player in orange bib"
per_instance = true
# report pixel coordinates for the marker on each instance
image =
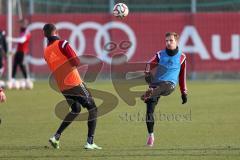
(59, 53)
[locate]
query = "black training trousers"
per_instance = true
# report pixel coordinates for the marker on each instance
(76, 97)
(164, 88)
(18, 61)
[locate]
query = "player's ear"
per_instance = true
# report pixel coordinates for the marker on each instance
(55, 32)
(44, 33)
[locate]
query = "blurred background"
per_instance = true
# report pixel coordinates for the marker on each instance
(209, 31)
(93, 6)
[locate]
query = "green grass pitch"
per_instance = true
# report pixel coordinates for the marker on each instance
(207, 127)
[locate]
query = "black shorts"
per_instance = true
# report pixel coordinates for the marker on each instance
(163, 88)
(79, 94)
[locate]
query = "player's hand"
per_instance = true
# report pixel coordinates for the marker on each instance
(2, 96)
(147, 95)
(184, 98)
(148, 77)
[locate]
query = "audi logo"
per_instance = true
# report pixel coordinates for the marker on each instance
(102, 32)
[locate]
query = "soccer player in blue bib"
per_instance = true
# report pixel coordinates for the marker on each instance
(162, 73)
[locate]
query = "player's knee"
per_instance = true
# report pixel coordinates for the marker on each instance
(90, 103)
(76, 108)
(77, 111)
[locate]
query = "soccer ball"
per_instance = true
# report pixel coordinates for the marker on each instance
(120, 10)
(9, 85)
(22, 84)
(29, 84)
(15, 84)
(2, 84)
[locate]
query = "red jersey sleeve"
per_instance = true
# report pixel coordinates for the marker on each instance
(69, 52)
(182, 75)
(152, 63)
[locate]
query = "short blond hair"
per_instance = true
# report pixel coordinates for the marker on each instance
(176, 36)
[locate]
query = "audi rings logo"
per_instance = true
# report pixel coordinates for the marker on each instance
(102, 33)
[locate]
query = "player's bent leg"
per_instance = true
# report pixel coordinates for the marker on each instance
(92, 121)
(86, 100)
(163, 88)
(76, 109)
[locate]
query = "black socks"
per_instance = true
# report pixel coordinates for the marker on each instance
(90, 140)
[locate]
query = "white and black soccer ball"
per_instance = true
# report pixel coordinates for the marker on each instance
(22, 84)
(2, 84)
(29, 84)
(120, 10)
(9, 84)
(15, 84)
